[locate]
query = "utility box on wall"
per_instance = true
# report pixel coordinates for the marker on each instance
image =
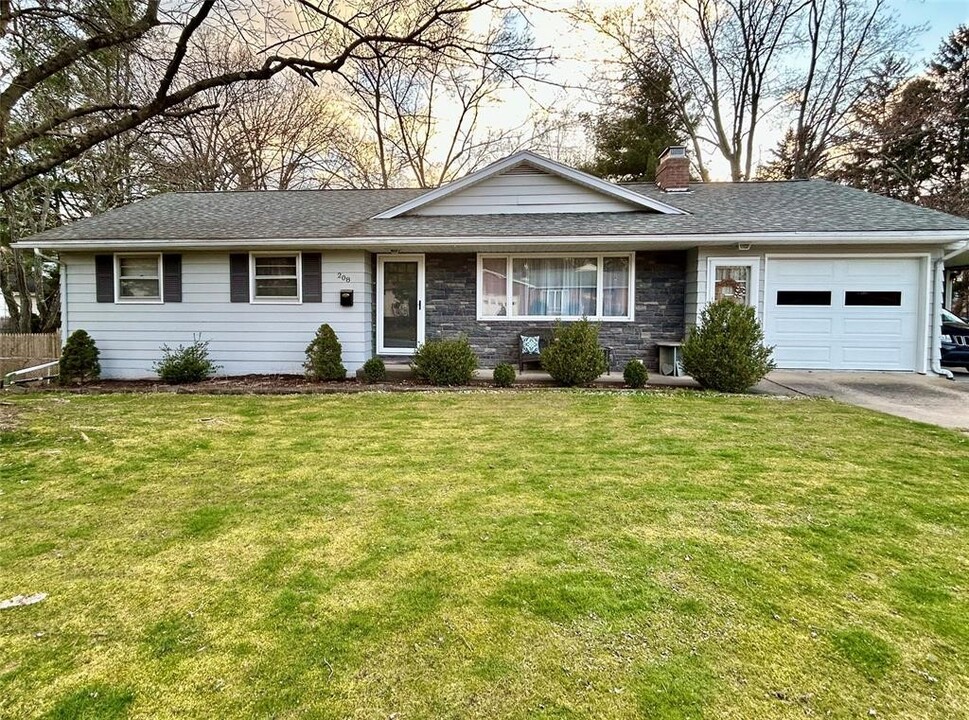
(346, 298)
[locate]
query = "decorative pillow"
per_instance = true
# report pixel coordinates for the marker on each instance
(531, 344)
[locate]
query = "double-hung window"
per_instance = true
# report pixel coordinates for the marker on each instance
(275, 277)
(542, 287)
(139, 277)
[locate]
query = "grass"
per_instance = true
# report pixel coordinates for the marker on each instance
(546, 554)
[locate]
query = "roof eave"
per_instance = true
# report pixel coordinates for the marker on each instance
(895, 237)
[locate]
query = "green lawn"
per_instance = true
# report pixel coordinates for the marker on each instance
(517, 555)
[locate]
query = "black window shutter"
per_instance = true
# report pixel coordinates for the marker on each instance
(104, 278)
(239, 277)
(312, 277)
(172, 272)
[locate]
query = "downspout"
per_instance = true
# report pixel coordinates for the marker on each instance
(63, 290)
(937, 292)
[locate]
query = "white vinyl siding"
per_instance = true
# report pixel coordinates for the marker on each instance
(517, 193)
(244, 338)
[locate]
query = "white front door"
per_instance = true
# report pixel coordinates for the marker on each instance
(400, 304)
(844, 313)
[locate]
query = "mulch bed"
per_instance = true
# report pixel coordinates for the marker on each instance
(278, 385)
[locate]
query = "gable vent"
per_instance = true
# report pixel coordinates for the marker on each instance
(524, 170)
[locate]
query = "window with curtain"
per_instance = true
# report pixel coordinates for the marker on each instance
(494, 286)
(538, 286)
(615, 290)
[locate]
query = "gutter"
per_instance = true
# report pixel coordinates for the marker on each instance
(938, 291)
(377, 243)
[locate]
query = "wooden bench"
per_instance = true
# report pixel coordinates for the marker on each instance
(530, 351)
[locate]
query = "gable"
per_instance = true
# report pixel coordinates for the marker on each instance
(526, 183)
(525, 189)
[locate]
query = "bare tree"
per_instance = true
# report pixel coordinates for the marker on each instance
(845, 42)
(47, 48)
(724, 56)
(422, 111)
(327, 40)
(273, 135)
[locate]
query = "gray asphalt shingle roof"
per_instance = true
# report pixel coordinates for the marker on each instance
(714, 208)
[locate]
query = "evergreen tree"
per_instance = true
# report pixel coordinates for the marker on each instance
(892, 146)
(949, 72)
(910, 137)
(643, 121)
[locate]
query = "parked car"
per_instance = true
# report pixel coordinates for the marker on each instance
(955, 340)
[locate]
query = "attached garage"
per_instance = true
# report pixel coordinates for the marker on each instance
(845, 313)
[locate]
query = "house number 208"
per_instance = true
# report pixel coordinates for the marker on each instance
(343, 276)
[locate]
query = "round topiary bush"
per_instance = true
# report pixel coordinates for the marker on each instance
(504, 375)
(726, 351)
(445, 362)
(79, 359)
(574, 357)
(324, 356)
(634, 374)
(374, 370)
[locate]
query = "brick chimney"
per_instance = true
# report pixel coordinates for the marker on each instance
(673, 173)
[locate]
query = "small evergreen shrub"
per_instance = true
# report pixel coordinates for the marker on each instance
(726, 351)
(324, 356)
(186, 364)
(79, 359)
(634, 374)
(574, 357)
(445, 362)
(374, 370)
(504, 375)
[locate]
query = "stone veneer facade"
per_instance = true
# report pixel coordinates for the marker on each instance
(450, 311)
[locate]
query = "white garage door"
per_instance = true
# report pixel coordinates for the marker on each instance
(843, 313)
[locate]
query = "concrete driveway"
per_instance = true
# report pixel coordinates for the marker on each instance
(926, 398)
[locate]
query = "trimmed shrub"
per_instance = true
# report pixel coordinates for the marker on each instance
(79, 359)
(574, 357)
(726, 351)
(374, 370)
(445, 362)
(504, 375)
(186, 364)
(634, 374)
(324, 356)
